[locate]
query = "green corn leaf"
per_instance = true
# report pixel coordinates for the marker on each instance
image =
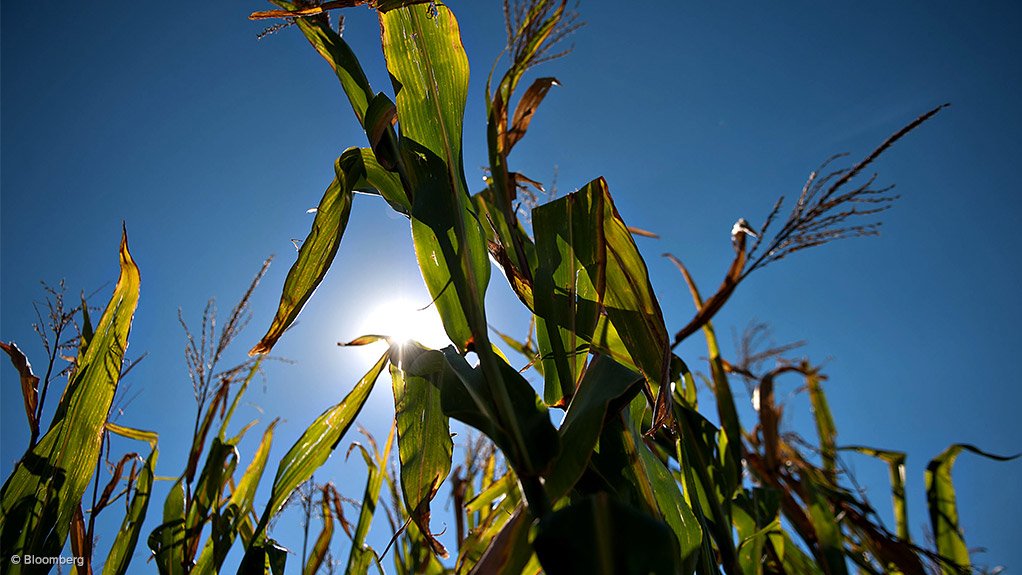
(828, 531)
(41, 495)
(465, 396)
(313, 448)
(362, 556)
(569, 287)
(123, 547)
(423, 433)
(825, 427)
(429, 69)
(238, 507)
(896, 463)
(219, 468)
(756, 520)
(322, 544)
(168, 540)
(660, 489)
(940, 499)
(601, 536)
(703, 468)
(583, 231)
(319, 248)
(606, 383)
(501, 545)
(339, 56)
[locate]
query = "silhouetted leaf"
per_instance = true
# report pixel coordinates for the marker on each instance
(600, 536)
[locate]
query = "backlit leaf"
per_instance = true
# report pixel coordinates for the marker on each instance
(46, 486)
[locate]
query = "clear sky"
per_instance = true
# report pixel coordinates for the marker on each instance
(211, 145)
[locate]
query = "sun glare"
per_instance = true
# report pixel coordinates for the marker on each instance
(402, 320)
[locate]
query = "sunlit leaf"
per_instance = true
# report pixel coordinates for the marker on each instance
(322, 545)
(123, 547)
(423, 433)
(316, 444)
(429, 70)
(46, 486)
(238, 507)
(940, 499)
(318, 249)
(362, 556)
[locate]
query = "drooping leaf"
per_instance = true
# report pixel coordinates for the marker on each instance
(46, 486)
(896, 464)
(940, 499)
(526, 109)
(423, 433)
(29, 384)
(602, 536)
(319, 248)
(600, 244)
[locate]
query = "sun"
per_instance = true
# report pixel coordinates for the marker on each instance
(404, 320)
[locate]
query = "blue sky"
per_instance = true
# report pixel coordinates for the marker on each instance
(211, 145)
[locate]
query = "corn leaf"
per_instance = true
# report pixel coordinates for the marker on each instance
(362, 556)
(238, 507)
(660, 489)
(313, 448)
(825, 427)
(423, 434)
(940, 499)
(465, 396)
(322, 544)
(606, 383)
(46, 486)
(123, 547)
(896, 464)
(602, 536)
(29, 384)
(599, 242)
(569, 287)
(167, 541)
(429, 69)
(319, 248)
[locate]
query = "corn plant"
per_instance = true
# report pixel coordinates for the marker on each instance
(638, 477)
(635, 478)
